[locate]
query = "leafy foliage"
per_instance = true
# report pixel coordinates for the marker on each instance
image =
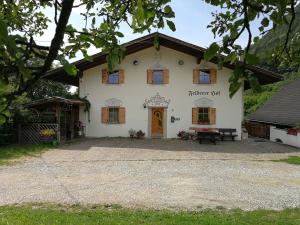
(266, 46)
(46, 88)
(235, 20)
(254, 99)
(23, 62)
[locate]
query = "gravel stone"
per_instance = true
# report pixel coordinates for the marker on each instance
(169, 174)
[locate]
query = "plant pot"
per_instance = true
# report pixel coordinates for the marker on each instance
(47, 139)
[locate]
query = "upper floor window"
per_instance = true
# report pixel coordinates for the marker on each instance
(158, 76)
(113, 78)
(205, 76)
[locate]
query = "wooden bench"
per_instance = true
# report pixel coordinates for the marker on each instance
(227, 132)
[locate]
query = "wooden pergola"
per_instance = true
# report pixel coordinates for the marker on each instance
(61, 113)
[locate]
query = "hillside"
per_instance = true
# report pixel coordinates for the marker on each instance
(264, 48)
(267, 44)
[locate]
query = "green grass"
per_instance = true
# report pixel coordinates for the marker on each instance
(79, 215)
(291, 160)
(13, 152)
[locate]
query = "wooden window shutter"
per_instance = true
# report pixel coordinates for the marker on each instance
(213, 76)
(195, 76)
(149, 76)
(166, 76)
(121, 115)
(104, 76)
(104, 114)
(195, 112)
(121, 76)
(212, 115)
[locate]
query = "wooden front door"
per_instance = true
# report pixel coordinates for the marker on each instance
(157, 126)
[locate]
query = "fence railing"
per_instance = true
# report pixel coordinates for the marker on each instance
(258, 129)
(36, 133)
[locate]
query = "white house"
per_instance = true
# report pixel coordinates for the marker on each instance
(159, 91)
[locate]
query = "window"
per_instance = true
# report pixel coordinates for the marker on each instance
(113, 116)
(158, 77)
(204, 77)
(203, 115)
(113, 78)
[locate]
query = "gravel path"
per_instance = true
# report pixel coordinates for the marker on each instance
(106, 171)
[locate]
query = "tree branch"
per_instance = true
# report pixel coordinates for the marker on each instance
(33, 45)
(57, 41)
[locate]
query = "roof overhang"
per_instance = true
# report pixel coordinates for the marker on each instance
(264, 76)
(54, 100)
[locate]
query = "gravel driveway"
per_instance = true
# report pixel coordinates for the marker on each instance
(157, 174)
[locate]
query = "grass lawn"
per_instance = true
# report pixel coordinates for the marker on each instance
(79, 215)
(291, 160)
(12, 152)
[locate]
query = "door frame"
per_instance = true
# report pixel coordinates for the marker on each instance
(164, 135)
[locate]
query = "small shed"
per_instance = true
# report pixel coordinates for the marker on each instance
(281, 111)
(53, 118)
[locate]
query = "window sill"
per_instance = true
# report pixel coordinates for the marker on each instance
(157, 84)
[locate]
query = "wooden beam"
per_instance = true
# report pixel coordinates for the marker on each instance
(199, 60)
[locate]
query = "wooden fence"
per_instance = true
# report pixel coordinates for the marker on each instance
(37, 133)
(260, 130)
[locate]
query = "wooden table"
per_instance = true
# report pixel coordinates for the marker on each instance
(210, 134)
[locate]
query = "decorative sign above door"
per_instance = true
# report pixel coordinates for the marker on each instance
(157, 101)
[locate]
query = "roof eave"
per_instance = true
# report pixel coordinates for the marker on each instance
(144, 42)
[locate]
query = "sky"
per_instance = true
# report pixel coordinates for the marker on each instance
(191, 20)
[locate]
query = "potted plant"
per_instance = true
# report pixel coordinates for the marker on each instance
(132, 133)
(47, 135)
(183, 135)
(294, 130)
(140, 134)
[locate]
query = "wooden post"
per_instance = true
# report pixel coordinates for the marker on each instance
(19, 133)
(72, 122)
(58, 123)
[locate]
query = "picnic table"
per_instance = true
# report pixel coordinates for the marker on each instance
(210, 134)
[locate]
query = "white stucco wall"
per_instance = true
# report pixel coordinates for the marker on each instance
(281, 134)
(229, 112)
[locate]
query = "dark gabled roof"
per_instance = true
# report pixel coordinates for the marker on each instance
(264, 76)
(283, 108)
(55, 100)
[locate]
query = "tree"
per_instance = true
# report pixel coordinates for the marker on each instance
(46, 88)
(235, 19)
(22, 21)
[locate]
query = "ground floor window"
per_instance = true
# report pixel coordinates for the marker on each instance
(113, 116)
(203, 115)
